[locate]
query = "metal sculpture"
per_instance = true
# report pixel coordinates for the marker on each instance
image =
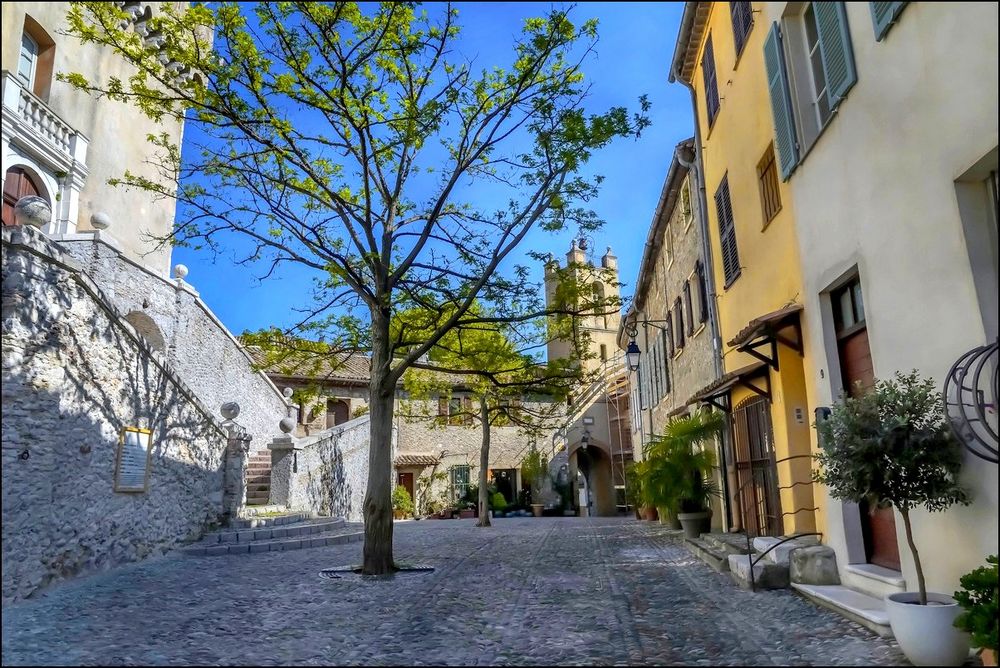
(970, 394)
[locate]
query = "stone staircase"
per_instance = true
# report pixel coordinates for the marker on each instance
(278, 534)
(259, 478)
(810, 569)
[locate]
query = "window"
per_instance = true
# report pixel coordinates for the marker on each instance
(727, 233)
(767, 179)
(699, 269)
(27, 62)
(848, 308)
(604, 352)
(742, 16)
(688, 307)
(711, 85)
(679, 314)
(884, 15)
(459, 480)
(810, 69)
(666, 367)
(686, 212)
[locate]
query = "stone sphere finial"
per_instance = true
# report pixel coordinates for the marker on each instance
(287, 392)
(100, 221)
(180, 271)
(230, 410)
(286, 425)
(32, 210)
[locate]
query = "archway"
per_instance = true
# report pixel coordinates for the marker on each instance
(146, 328)
(337, 412)
(594, 463)
(19, 182)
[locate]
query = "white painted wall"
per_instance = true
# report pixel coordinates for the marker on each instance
(878, 191)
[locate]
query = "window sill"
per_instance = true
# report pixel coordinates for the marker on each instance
(735, 278)
(678, 353)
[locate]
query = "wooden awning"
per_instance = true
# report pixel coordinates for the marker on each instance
(766, 331)
(415, 459)
(717, 392)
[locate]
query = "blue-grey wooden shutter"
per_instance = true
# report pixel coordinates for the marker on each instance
(835, 48)
(781, 103)
(666, 363)
(884, 15)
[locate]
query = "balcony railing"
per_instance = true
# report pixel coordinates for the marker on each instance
(40, 127)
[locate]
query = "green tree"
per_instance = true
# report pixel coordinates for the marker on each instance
(353, 141)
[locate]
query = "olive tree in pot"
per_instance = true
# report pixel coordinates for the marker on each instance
(891, 447)
(534, 468)
(681, 467)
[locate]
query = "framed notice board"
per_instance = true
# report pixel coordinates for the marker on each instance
(132, 462)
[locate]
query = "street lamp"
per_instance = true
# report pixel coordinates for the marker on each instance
(632, 355)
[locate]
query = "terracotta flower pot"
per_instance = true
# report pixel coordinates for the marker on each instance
(988, 656)
(649, 513)
(537, 508)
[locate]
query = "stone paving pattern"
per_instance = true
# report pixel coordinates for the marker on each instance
(528, 591)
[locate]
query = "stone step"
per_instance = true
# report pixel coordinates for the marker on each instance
(258, 466)
(779, 552)
(302, 528)
(729, 543)
(708, 553)
(259, 479)
(261, 522)
(258, 500)
(857, 606)
(873, 580)
(766, 575)
(258, 487)
(338, 537)
(256, 511)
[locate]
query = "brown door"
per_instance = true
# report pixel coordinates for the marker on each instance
(337, 412)
(405, 480)
(878, 525)
(756, 471)
(16, 185)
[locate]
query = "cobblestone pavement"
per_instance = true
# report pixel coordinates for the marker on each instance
(525, 592)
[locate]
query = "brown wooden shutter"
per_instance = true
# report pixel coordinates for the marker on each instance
(467, 408)
(702, 291)
(711, 84)
(727, 232)
(670, 333)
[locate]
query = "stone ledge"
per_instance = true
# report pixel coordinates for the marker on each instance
(888, 576)
(321, 540)
(856, 606)
(714, 558)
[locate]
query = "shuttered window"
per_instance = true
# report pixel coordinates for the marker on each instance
(835, 45)
(657, 377)
(688, 308)
(679, 311)
(644, 380)
(671, 342)
(767, 180)
(742, 16)
(711, 83)
(884, 14)
(702, 292)
(666, 363)
(727, 232)
(781, 103)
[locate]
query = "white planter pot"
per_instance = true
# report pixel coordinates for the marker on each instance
(925, 632)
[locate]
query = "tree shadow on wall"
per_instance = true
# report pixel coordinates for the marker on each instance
(73, 378)
(328, 489)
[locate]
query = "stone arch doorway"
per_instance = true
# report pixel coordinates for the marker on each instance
(337, 412)
(594, 463)
(147, 328)
(19, 182)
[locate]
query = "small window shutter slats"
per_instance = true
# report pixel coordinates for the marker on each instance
(702, 292)
(835, 47)
(781, 103)
(884, 14)
(679, 310)
(655, 371)
(711, 84)
(689, 307)
(666, 363)
(727, 232)
(742, 16)
(644, 380)
(670, 333)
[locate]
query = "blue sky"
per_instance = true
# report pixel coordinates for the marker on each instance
(632, 59)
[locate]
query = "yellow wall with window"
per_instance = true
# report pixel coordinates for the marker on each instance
(770, 272)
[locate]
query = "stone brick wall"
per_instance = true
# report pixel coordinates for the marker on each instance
(198, 345)
(74, 374)
(326, 473)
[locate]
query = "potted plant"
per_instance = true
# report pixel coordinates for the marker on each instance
(534, 467)
(680, 467)
(642, 479)
(978, 600)
(632, 489)
(498, 503)
(891, 447)
(402, 504)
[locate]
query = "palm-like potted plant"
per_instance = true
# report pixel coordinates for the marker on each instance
(643, 485)
(978, 600)
(891, 447)
(534, 468)
(681, 466)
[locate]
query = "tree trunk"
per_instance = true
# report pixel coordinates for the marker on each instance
(378, 496)
(921, 585)
(484, 463)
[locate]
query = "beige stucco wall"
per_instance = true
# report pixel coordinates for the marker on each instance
(877, 192)
(116, 133)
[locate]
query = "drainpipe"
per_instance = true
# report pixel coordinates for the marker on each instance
(696, 167)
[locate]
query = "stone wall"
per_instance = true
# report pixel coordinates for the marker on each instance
(75, 374)
(205, 354)
(326, 473)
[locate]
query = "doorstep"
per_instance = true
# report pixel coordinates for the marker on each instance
(857, 606)
(873, 580)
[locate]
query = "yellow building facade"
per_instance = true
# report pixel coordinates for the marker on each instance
(757, 272)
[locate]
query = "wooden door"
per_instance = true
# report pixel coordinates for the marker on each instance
(878, 525)
(504, 481)
(405, 480)
(16, 185)
(756, 471)
(337, 412)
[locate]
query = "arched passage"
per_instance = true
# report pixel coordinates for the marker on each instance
(19, 182)
(147, 328)
(594, 463)
(337, 412)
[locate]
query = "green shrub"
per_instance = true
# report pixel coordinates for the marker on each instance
(978, 599)
(498, 502)
(401, 501)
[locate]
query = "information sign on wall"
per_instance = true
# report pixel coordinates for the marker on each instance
(132, 463)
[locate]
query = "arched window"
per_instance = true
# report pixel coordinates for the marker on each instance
(600, 296)
(337, 412)
(146, 328)
(17, 183)
(35, 61)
